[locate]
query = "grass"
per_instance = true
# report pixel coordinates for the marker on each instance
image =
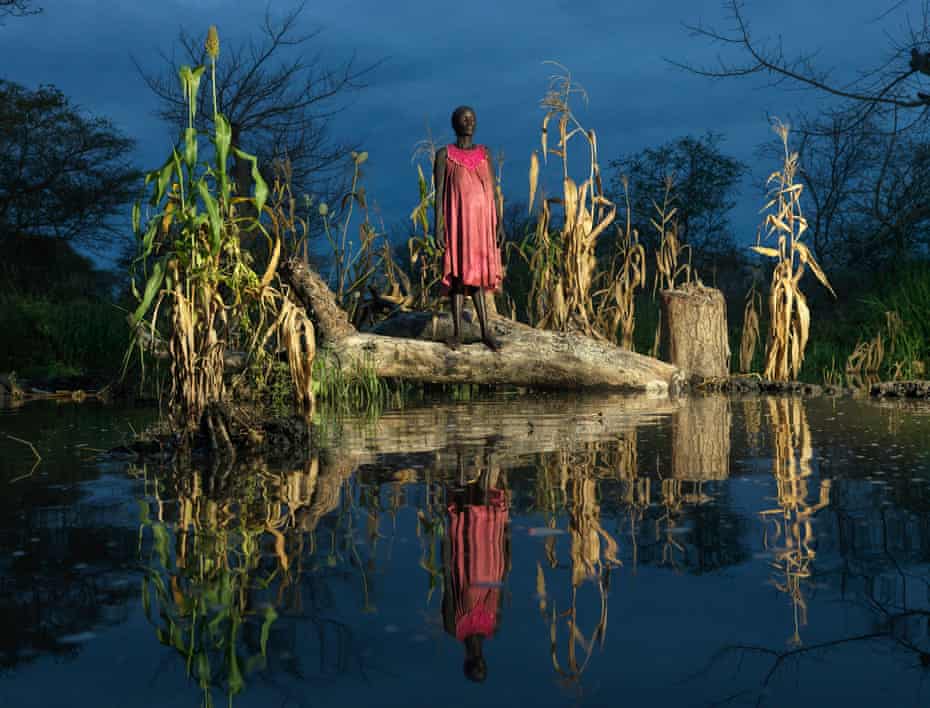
(905, 290)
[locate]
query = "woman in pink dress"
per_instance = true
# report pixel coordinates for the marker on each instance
(467, 225)
(476, 558)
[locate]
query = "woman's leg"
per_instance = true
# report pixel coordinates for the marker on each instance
(456, 300)
(477, 296)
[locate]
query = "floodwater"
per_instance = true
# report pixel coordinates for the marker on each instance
(546, 552)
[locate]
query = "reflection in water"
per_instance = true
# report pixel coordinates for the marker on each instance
(477, 557)
(531, 528)
(226, 556)
(568, 480)
(65, 574)
(789, 534)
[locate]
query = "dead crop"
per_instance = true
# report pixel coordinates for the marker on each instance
(789, 315)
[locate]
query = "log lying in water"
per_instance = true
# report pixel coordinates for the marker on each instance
(901, 389)
(405, 347)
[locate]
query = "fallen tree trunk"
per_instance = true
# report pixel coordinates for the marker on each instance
(406, 347)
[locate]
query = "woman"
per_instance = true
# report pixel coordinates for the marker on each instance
(467, 224)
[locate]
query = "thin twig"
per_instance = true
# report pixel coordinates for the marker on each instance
(34, 452)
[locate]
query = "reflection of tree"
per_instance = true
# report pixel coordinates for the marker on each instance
(75, 575)
(790, 533)
(882, 548)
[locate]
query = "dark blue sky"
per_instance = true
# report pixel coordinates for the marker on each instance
(486, 53)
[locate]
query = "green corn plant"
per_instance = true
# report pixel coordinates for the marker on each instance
(190, 263)
(425, 256)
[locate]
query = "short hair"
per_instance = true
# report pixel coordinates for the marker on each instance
(459, 111)
(476, 669)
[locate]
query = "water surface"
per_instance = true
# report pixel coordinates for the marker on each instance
(541, 551)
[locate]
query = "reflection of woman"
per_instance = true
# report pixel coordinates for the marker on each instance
(477, 554)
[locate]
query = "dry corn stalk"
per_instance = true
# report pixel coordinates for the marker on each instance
(867, 357)
(789, 321)
(615, 313)
(564, 268)
(670, 248)
(424, 255)
(297, 334)
(750, 336)
(191, 257)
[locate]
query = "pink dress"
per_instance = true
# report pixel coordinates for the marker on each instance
(478, 564)
(470, 218)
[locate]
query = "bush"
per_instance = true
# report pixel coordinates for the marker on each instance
(43, 338)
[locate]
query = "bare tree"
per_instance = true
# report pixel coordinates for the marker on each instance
(891, 85)
(65, 174)
(862, 159)
(279, 101)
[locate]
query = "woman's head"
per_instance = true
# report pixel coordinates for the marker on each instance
(464, 120)
(475, 667)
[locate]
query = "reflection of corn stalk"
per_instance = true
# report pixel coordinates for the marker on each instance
(627, 459)
(637, 496)
(224, 527)
(667, 522)
(431, 529)
(752, 421)
(593, 552)
(791, 523)
(564, 265)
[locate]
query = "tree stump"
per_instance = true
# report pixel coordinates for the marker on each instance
(694, 331)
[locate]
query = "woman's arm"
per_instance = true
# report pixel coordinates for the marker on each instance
(498, 203)
(439, 180)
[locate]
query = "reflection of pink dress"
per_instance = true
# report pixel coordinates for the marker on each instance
(470, 218)
(476, 533)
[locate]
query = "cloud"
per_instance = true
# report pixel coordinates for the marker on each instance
(434, 56)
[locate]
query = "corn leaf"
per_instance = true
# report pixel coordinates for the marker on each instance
(151, 289)
(765, 251)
